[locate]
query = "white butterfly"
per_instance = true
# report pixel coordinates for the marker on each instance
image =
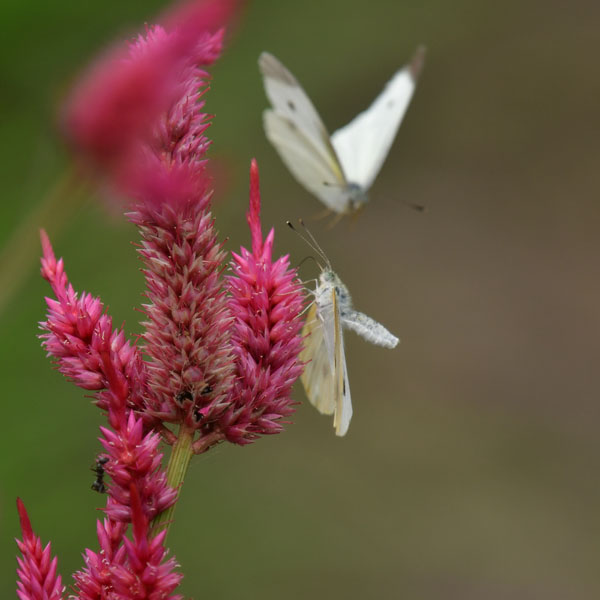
(338, 169)
(325, 376)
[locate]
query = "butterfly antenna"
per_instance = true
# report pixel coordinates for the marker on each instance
(316, 245)
(309, 257)
(310, 240)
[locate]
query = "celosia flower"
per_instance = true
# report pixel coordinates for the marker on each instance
(96, 578)
(190, 367)
(133, 459)
(125, 569)
(80, 336)
(147, 572)
(218, 356)
(37, 577)
(267, 301)
(108, 113)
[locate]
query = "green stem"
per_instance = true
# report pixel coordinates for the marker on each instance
(22, 249)
(176, 470)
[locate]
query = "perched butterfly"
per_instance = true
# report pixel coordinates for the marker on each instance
(325, 376)
(341, 168)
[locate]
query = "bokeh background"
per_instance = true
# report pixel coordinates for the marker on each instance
(471, 469)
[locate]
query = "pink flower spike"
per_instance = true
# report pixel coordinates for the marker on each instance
(95, 579)
(191, 16)
(81, 338)
(253, 214)
(134, 459)
(190, 367)
(117, 104)
(37, 577)
(147, 574)
(109, 110)
(266, 301)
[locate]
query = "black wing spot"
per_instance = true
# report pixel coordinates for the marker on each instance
(344, 387)
(291, 105)
(326, 184)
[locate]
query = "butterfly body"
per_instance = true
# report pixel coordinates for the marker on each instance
(338, 169)
(325, 378)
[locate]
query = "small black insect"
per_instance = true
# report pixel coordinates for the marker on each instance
(291, 105)
(207, 390)
(99, 485)
(183, 396)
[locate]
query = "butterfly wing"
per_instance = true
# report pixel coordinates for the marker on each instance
(305, 163)
(325, 376)
(317, 377)
(363, 144)
(343, 401)
(369, 329)
(297, 132)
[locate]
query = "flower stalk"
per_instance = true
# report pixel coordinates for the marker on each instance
(179, 462)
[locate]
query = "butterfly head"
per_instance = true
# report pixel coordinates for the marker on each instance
(329, 280)
(357, 196)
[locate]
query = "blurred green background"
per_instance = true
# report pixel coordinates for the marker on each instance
(471, 469)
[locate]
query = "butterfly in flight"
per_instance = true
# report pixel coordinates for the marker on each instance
(325, 377)
(338, 169)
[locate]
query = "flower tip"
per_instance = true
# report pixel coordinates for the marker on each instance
(46, 245)
(203, 15)
(254, 187)
(24, 518)
(191, 18)
(253, 216)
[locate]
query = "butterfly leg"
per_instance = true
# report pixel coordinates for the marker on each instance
(335, 220)
(323, 214)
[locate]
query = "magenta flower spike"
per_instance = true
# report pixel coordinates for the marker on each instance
(148, 573)
(267, 301)
(218, 355)
(134, 459)
(187, 337)
(80, 337)
(106, 116)
(37, 576)
(128, 569)
(95, 580)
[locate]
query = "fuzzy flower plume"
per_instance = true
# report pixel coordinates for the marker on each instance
(108, 112)
(37, 577)
(148, 573)
(267, 300)
(190, 366)
(80, 337)
(128, 569)
(218, 356)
